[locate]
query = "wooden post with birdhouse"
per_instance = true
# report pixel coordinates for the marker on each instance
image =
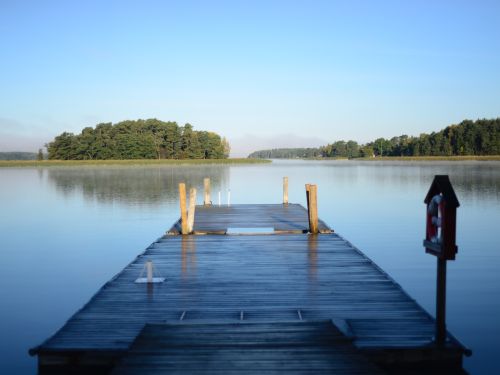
(440, 240)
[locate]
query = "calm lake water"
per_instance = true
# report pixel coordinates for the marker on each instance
(66, 231)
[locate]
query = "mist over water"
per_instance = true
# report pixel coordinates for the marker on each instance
(64, 232)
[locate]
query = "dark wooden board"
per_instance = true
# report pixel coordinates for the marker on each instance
(286, 347)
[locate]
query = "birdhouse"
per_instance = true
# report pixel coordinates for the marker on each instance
(441, 219)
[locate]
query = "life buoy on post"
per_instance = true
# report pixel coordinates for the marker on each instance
(439, 240)
(435, 211)
(441, 209)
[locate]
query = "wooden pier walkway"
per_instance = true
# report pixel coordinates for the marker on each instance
(280, 218)
(290, 280)
(244, 348)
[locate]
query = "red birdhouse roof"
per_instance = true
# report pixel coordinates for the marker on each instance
(442, 185)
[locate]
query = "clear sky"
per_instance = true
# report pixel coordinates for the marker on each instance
(262, 73)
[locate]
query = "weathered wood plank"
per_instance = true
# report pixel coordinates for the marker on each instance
(291, 348)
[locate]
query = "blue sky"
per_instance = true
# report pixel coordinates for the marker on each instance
(262, 73)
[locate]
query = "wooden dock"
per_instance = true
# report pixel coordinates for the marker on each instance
(231, 300)
(280, 218)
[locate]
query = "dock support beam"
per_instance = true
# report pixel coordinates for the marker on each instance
(182, 198)
(441, 303)
(312, 207)
(191, 210)
(285, 190)
(206, 185)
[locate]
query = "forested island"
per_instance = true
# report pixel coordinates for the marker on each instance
(474, 138)
(139, 139)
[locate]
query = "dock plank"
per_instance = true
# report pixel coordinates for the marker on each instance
(291, 348)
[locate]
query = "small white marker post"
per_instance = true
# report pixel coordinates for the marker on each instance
(228, 197)
(219, 198)
(149, 271)
(149, 279)
(285, 190)
(206, 185)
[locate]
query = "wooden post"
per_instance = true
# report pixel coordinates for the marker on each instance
(285, 190)
(182, 196)
(313, 209)
(206, 184)
(308, 187)
(441, 303)
(191, 210)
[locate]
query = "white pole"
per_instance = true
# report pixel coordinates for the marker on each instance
(219, 198)
(228, 197)
(149, 270)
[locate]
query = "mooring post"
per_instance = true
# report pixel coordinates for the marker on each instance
(308, 186)
(149, 271)
(228, 197)
(285, 190)
(182, 198)
(313, 209)
(206, 185)
(191, 210)
(219, 199)
(441, 302)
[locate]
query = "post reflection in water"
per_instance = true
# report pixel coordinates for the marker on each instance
(312, 256)
(188, 257)
(312, 269)
(150, 289)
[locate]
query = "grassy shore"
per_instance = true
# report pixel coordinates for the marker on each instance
(134, 162)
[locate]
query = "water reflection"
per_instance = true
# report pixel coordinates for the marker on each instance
(312, 256)
(145, 185)
(41, 172)
(151, 185)
(188, 258)
(470, 178)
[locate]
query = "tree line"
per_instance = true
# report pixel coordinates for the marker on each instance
(18, 155)
(286, 153)
(481, 137)
(139, 139)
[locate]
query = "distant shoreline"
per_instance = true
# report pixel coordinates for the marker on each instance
(420, 158)
(173, 162)
(407, 158)
(437, 158)
(132, 162)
